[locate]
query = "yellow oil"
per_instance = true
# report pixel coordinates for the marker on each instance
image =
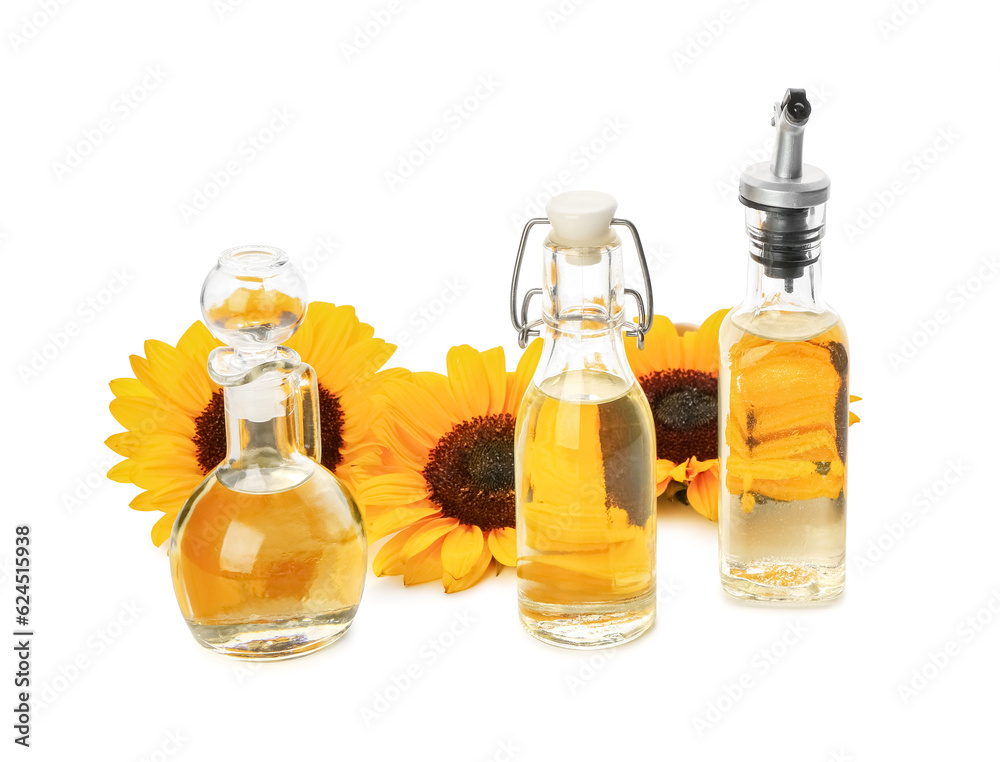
(269, 575)
(783, 395)
(586, 510)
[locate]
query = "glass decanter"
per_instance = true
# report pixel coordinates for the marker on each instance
(585, 447)
(269, 553)
(783, 390)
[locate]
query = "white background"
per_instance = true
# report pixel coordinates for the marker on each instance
(904, 122)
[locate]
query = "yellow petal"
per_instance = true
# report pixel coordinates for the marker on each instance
(503, 545)
(517, 383)
(663, 477)
(393, 489)
(662, 348)
(381, 521)
(325, 335)
(496, 378)
(693, 467)
(469, 382)
(703, 494)
(390, 558)
(147, 415)
(121, 472)
(679, 472)
(153, 474)
(424, 566)
(175, 376)
(160, 532)
(197, 343)
(129, 387)
(456, 585)
(704, 352)
(358, 364)
(417, 410)
(461, 550)
(431, 531)
(124, 443)
(169, 498)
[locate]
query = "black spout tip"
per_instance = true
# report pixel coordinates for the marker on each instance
(797, 105)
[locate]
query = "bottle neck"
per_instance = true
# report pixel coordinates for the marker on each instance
(785, 249)
(774, 288)
(583, 312)
(260, 423)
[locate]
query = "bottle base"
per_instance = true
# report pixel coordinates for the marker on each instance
(587, 626)
(272, 639)
(782, 581)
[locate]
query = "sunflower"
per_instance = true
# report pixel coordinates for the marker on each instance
(678, 370)
(175, 415)
(446, 486)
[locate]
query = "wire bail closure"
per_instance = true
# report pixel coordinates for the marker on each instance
(526, 330)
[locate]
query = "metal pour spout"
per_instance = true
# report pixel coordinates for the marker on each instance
(790, 118)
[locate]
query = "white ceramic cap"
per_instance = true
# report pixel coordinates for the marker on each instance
(581, 218)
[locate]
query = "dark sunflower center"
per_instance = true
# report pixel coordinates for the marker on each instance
(210, 431)
(331, 429)
(210, 434)
(471, 472)
(685, 415)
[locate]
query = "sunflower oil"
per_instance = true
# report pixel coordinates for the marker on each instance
(783, 391)
(783, 388)
(273, 574)
(586, 513)
(268, 555)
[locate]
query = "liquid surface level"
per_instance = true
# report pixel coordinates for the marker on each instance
(586, 514)
(783, 387)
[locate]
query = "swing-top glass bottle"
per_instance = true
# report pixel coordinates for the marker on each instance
(585, 449)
